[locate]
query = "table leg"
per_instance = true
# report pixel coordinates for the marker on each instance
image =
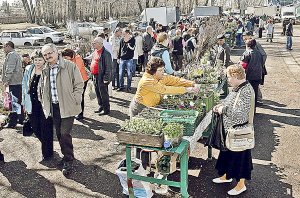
(129, 173)
(184, 175)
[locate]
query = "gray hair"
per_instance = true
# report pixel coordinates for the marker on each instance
(49, 45)
(98, 40)
(149, 26)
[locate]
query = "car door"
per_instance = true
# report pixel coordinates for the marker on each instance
(37, 32)
(5, 36)
(16, 39)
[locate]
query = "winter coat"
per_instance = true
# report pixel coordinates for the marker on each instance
(255, 64)
(12, 71)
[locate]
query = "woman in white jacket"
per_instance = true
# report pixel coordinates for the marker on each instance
(269, 30)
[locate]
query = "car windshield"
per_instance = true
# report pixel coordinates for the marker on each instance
(47, 29)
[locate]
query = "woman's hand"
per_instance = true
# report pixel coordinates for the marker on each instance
(192, 89)
(215, 108)
(220, 109)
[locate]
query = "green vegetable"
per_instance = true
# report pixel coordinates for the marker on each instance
(143, 126)
(173, 130)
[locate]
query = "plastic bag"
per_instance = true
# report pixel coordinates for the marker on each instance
(141, 189)
(7, 101)
(217, 136)
(91, 90)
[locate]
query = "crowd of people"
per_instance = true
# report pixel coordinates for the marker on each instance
(50, 84)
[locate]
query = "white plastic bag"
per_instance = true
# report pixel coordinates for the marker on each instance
(141, 189)
(91, 90)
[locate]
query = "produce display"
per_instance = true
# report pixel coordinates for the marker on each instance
(173, 130)
(143, 126)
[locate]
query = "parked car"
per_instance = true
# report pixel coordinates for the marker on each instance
(20, 38)
(50, 35)
(87, 28)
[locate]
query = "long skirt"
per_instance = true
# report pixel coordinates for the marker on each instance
(237, 165)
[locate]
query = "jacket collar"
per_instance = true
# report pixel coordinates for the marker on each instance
(236, 89)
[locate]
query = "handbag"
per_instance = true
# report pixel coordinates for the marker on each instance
(27, 129)
(242, 138)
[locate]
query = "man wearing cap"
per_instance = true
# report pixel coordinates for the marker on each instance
(248, 36)
(223, 52)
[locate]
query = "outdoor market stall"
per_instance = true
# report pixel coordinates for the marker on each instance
(175, 126)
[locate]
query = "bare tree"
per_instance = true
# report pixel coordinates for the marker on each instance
(29, 9)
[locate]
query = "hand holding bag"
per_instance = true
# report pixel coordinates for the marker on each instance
(242, 138)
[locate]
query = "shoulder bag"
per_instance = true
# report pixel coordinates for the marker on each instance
(242, 138)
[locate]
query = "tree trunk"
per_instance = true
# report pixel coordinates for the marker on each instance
(140, 5)
(155, 3)
(147, 3)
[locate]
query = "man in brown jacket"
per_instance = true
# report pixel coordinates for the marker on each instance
(61, 98)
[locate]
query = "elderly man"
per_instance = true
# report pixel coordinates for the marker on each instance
(12, 74)
(223, 51)
(101, 68)
(115, 42)
(61, 99)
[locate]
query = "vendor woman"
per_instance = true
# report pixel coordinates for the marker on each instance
(154, 84)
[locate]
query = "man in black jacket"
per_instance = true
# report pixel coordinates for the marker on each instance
(102, 72)
(148, 43)
(223, 52)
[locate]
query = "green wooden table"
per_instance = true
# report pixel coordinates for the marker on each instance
(181, 150)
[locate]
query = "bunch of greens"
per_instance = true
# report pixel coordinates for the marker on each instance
(143, 126)
(148, 113)
(173, 130)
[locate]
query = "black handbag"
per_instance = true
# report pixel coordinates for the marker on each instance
(27, 129)
(217, 136)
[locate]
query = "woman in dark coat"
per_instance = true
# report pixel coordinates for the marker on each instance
(237, 165)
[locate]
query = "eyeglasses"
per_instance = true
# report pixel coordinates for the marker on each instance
(49, 53)
(161, 70)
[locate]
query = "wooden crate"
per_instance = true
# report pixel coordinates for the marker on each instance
(125, 137)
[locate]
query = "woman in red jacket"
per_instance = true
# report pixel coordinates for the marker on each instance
(69, 54)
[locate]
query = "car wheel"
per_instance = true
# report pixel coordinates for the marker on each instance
(49, 40)
(27, 44)
(94, 33)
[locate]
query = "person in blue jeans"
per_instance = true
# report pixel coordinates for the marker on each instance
(125, 58)
(289, 35)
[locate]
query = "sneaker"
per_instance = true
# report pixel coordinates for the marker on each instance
(67, 168)
(234, 192)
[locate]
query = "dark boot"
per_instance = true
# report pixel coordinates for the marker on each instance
(1, 158)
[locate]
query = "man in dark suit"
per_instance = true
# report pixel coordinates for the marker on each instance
(101, 68)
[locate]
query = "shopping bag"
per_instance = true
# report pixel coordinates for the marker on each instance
(141, 189)
(91, 90)
(7, 101)
(217, 136)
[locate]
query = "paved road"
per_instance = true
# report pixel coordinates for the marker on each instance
(276, 160)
